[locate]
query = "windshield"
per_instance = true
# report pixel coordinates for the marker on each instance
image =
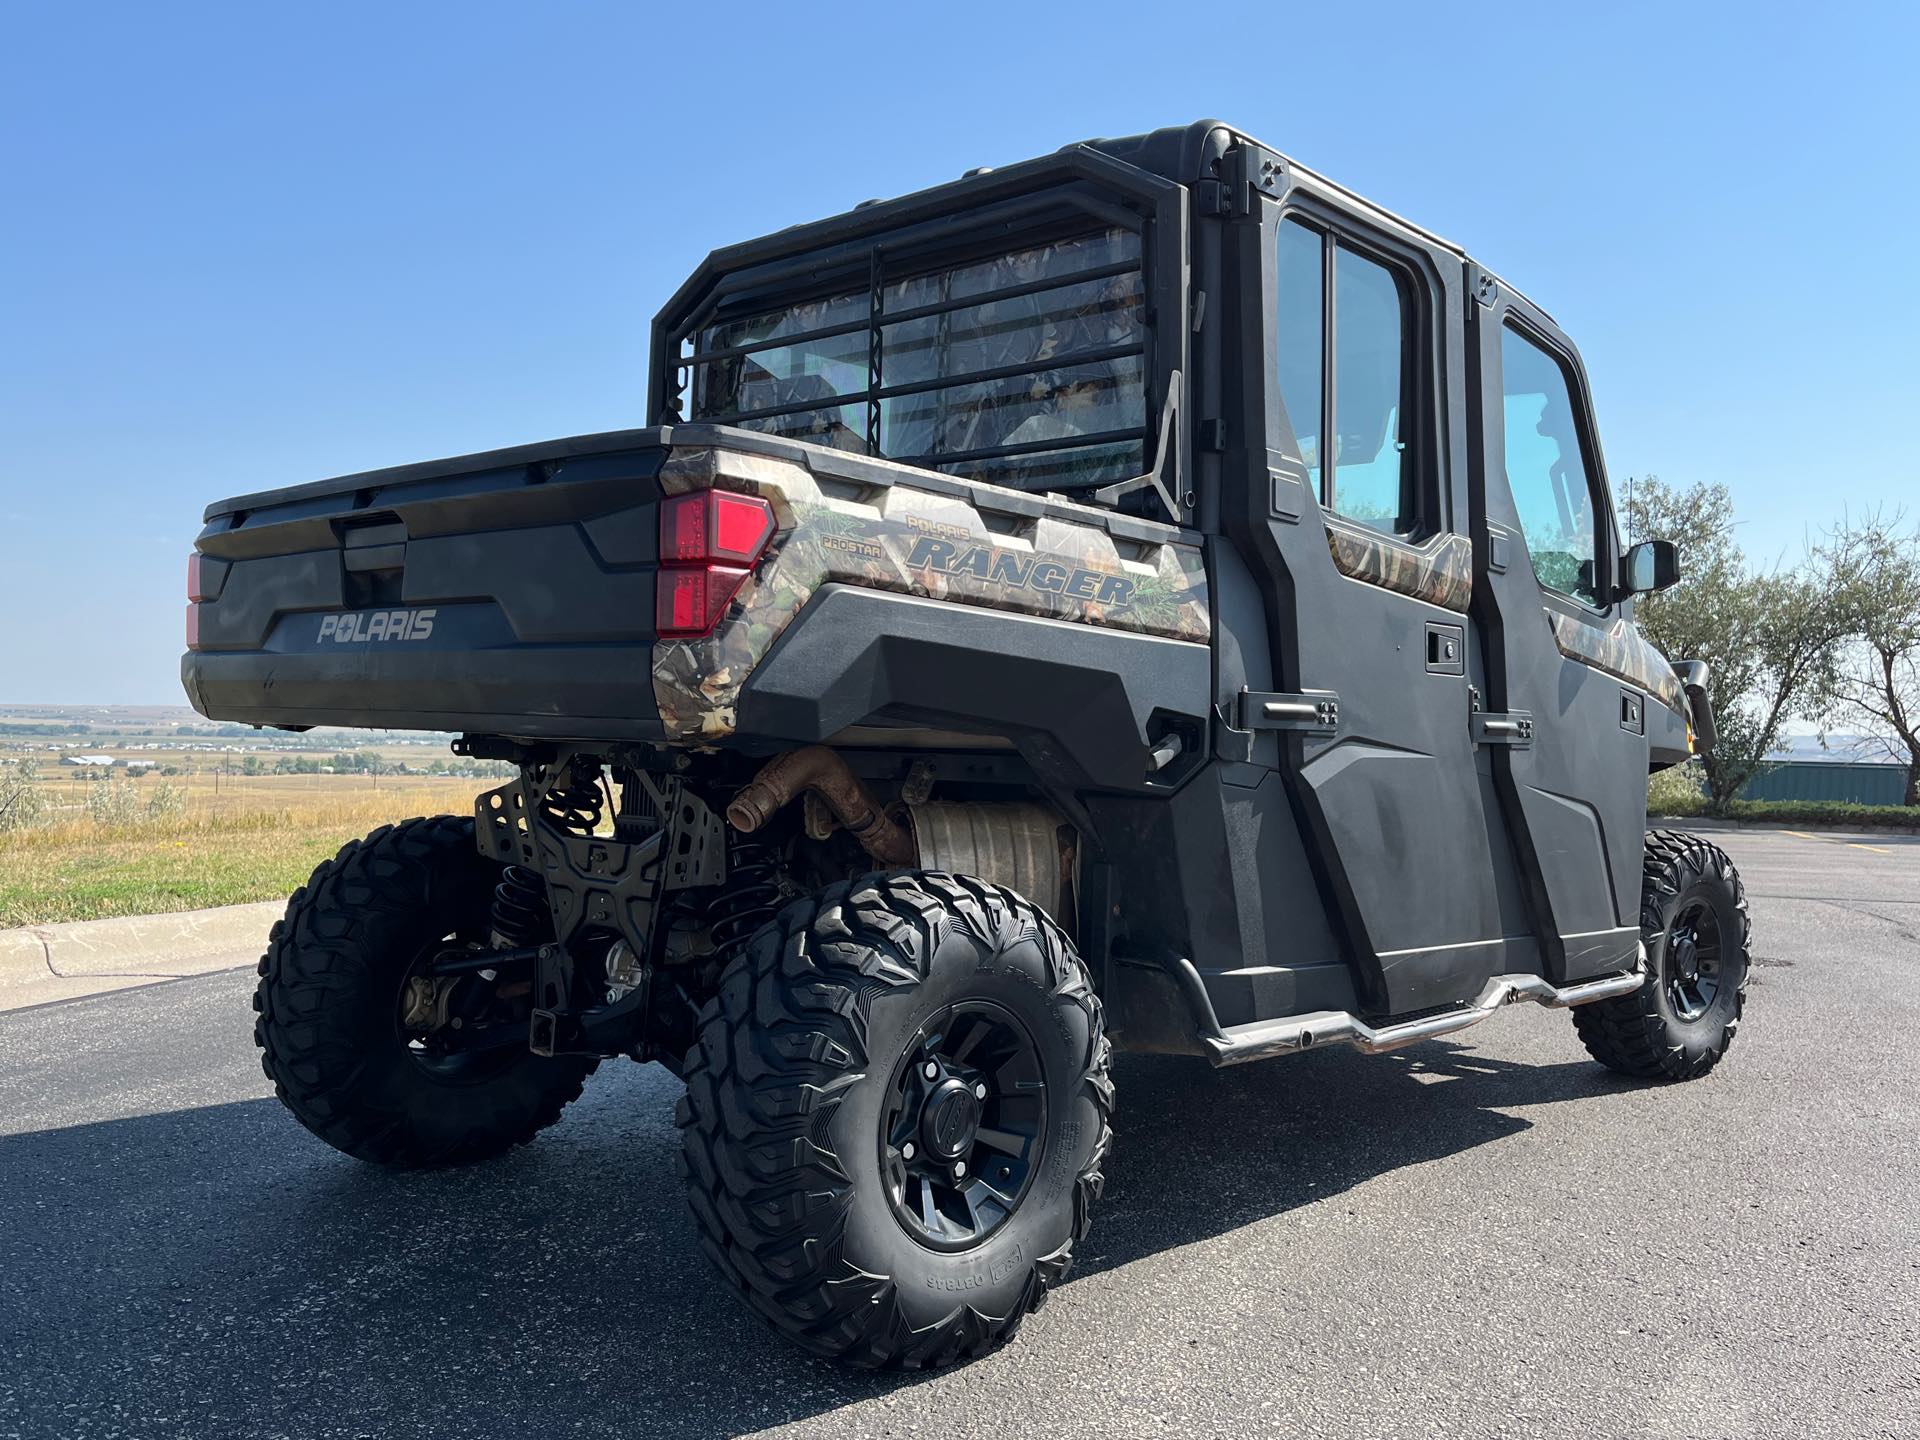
(1026, 368)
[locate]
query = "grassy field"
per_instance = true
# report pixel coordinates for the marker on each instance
(237, 838)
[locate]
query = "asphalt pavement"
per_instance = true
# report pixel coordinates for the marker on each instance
(1486, 1236)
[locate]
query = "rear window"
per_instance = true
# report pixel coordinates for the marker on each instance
(1027, 367)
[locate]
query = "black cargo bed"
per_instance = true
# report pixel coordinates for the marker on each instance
(510, 592)
(505, 592)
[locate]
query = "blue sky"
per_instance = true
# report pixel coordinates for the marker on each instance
(250, 245)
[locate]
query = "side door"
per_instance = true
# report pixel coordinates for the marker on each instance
(1373, 645)
(1567, 683)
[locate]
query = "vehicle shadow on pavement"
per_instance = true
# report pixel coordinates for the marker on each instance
(216, 1271)
(1286, 1134)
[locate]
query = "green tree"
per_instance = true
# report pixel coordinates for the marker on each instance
(1772, 640)
(1878, 685)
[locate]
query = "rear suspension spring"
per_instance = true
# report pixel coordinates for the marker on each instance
(519, 908)
(751, 897)
(576, 802)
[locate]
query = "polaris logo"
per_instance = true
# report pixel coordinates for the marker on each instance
(377, 625)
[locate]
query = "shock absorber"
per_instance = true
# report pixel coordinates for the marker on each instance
(751, 896)
(519, 908)
(576, 803)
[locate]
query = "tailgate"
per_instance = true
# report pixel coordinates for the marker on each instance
(509, 592)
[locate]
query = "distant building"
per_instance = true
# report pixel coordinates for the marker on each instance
(1835, 781)
(95, 762)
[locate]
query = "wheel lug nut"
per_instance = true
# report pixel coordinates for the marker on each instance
(906, 1151)
(980, 1092)
(931, 1070)
(959, 1168)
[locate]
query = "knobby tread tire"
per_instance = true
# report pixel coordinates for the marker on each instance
(329, 982)
(781, 1045)
(1634, 1034)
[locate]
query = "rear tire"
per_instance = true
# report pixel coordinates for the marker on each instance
(884, 1060)
(1693, 921)
(329, 997)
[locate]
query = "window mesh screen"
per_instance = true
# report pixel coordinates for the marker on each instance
(1026, 368)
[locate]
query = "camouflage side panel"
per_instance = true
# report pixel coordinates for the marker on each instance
(1620, 650)
(1438, 571)
(917, 543)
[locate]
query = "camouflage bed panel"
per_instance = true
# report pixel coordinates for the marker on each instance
(915, 542)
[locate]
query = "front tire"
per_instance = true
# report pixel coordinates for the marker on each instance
(330, 1002)
(1693, 921)
(896, 1114)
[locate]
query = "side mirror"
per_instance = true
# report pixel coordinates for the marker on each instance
(1649, 566)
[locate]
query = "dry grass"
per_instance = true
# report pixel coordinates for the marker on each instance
(257, 838)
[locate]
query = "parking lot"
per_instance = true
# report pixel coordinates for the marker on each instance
(1484, 1236)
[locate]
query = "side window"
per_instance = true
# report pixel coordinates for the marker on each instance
(1300, 353)
(1353, 433)
(1546, 468)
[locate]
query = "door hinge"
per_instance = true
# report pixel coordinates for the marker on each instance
(1316, 712)
(1246, 172)
(1515, 728)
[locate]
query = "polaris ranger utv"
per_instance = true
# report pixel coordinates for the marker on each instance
(1145, 596)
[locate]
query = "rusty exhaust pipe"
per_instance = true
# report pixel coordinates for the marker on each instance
(820, 770)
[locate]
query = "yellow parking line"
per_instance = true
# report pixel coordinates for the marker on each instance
(1829, 840)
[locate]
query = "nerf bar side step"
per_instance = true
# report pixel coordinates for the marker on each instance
(1266, 1038)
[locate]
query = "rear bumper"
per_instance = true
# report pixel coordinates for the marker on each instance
(556, 692)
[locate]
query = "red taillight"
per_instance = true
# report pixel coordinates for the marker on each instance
(193, 626)
(714, 525)
(708, 539)
(196, 586)
(742, 526)
(683, 528)
(694, 597)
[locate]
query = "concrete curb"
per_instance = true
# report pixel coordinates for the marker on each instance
(39, 963)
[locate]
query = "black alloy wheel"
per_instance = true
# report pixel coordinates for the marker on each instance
(1693, 960)
(965, 1129)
